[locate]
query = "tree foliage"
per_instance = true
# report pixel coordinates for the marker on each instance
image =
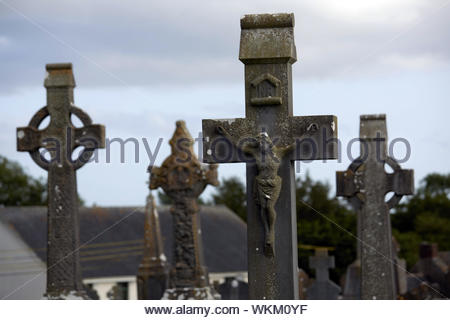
(318, 218)
(17, 188)
(424, 217)
(323, 220)
(164, 198)
(231, 192)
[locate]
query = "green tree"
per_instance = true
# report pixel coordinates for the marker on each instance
(323, 221)
(424, 217)
(231, 193)
(164, 198)
(17, 188)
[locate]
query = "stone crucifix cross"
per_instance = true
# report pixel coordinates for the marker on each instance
(60, 139)
(365, 184)
(322, 288)
(269, 139)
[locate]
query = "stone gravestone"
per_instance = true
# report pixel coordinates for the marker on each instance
(352, 282)
(233, 289)
(433, 269)
(400, 272)
(365, 184)
(322, 288)
(60, 138)
(153, 272)
(183, 178)
(269, 139)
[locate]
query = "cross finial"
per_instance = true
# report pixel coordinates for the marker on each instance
(59, 75)
(321, 262)
(373, 126)
(267, 47)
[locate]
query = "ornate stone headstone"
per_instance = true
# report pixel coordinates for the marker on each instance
(153, 273)
(322, 288)
(365, 184)
(269, 139)
(60, 138)
(183, 178)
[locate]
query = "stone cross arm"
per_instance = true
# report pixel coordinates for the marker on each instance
(90, 136)
(60, 137)
(312, 138)
(321, 262)
(401, 182)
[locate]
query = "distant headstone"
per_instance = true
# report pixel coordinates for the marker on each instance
(153, 272)
(400, 271)
(352, 281)
(366, 183)
(233, 289)
(183, 178)
(60, 139)
(433, 269)
(322, 287)
(269, 139)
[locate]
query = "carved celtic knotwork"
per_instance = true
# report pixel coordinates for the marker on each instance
(60, 138)
(183, 178)
(89, 136)
(365, 184)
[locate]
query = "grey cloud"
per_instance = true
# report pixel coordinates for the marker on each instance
(191, 42)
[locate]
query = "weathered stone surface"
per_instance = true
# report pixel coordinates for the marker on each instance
(352, 287)
(322, 288)
(153, 273)
(60, 138)
(267, 38)
(268, 140)
(400, 272)
(365, 184)
(352, 282)
(183, 178)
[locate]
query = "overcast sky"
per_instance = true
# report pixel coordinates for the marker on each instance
(142, 65)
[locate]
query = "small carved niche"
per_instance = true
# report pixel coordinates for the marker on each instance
(266, 90)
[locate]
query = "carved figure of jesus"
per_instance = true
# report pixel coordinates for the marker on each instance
(267, 184)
